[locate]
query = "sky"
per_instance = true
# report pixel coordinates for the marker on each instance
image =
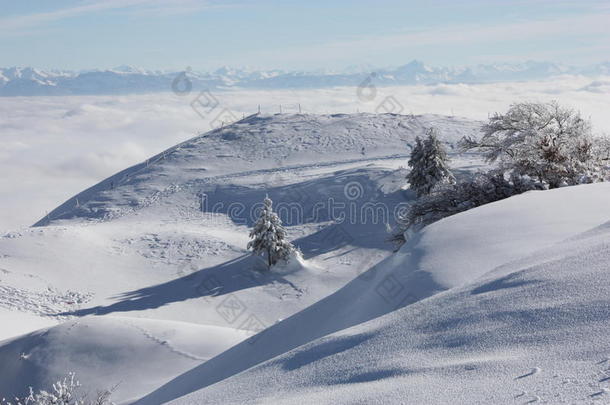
(299, 35)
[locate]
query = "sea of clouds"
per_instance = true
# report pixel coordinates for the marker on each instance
(54, 147)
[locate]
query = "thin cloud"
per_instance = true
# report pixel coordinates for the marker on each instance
(16, 24)
(594, 26)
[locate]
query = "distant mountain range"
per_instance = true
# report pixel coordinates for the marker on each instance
(27, 81)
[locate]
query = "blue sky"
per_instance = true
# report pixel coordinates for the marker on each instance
(173, 34)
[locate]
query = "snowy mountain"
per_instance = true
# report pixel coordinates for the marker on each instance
(127, 79)
(143, 279)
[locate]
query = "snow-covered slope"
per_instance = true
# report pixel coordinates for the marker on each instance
(165, 240)
(259, 148)
(110, 351)
(144, 277)
(523, 317)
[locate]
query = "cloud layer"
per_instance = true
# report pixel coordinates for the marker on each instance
(54, 147)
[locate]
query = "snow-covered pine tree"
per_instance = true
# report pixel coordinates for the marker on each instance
(269, 236)
(416, 176)
(429, 164)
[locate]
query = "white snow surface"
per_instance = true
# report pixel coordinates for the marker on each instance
(138, 246)
(135, 355)
(144, 279)
(486, 296)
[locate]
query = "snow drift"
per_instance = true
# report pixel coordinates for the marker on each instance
(481, 259)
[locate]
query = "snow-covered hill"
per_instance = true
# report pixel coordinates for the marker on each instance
(27, 81)
(165, 240)
(261, 149)
(144, 280)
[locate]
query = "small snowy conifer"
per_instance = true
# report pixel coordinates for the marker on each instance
(429, 164)
(269, 236)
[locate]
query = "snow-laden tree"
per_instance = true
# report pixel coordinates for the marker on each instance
(429, 164)
(543, 140)
(449, 199)
(269, 236)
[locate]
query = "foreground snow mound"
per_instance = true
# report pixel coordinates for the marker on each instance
(536, 330)
(448, 256)
(106, 351)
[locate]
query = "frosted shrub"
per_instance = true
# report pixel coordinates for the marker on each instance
(545, 141)
(449, 199)
(65, 392)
